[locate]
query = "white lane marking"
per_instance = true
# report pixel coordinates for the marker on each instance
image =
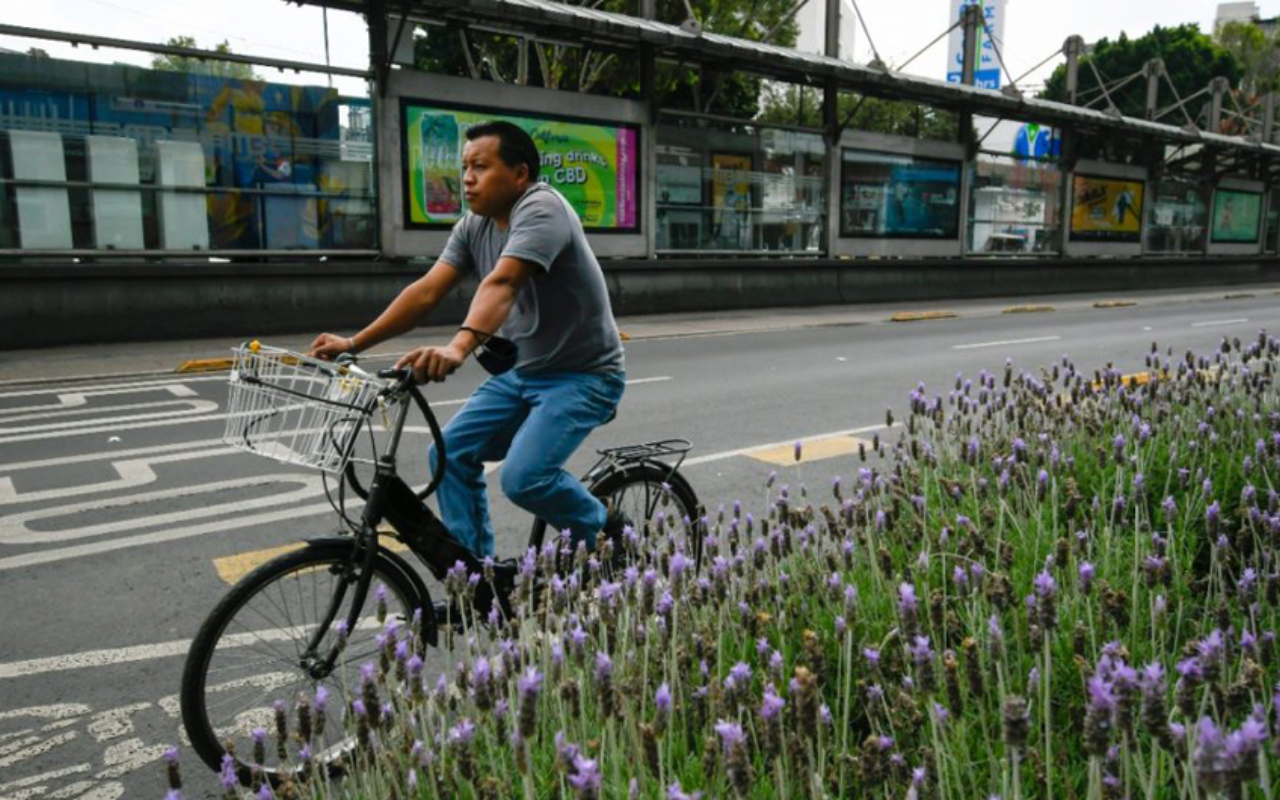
(742, 451)
(115, 723)
(14, 528)
(117, 425)
(171, 534)
(1032, 340)
(124, 757)
(38, 749)
(197, 412)
(132, 473)
(106, 455)
(57, 711)
(147, 652)
(116, 388)
(44, 776)
(1218, 322)
(80, 399)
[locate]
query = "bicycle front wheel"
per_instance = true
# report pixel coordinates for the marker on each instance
(254, 651)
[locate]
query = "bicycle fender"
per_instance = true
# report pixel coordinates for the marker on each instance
(406, 571)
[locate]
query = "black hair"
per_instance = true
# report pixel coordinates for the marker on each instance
(515, 147)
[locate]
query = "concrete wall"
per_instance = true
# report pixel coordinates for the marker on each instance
(400, 242)
(45, 305)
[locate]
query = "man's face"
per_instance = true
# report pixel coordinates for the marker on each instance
(490, 186)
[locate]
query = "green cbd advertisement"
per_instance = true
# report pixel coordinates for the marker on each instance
(594, 165)
(1236, 216)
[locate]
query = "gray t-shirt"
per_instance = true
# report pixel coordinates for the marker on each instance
(562, 320)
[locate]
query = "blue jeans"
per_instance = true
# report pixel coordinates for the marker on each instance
(534, 422)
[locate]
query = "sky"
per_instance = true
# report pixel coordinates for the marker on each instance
(1034, 29)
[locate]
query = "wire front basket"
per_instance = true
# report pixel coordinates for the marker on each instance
(298, 410)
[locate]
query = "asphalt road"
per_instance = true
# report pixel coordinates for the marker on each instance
(122, 514)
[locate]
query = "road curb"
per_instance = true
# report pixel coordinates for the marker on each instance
(921, 316)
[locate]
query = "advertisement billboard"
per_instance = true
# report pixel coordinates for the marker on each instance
(897, 196)
(1236, 216)
(595, 165)
(987, 70)
(1106, 209)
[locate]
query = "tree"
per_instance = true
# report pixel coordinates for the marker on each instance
(1258, 54)
(202, 66)
(590, 69)
(1191, 60)
(795, 105)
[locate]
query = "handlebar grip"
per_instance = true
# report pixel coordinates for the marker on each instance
(393, 374)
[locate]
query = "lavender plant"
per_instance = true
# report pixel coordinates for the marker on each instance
(1053, 584)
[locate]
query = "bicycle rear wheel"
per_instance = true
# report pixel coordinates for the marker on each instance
(646, 493)
(252, 652)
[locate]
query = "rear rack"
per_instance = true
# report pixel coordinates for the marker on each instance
(639, 453)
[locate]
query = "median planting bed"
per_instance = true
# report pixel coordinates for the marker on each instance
(1037, 583)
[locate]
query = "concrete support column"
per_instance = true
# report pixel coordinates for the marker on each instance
(1073, 48)
(1153, 69)
(1217, 89)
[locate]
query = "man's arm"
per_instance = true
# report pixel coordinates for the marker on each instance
(413, 303)
(489, 309)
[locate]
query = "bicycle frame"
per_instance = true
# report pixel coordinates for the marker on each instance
(390, 499)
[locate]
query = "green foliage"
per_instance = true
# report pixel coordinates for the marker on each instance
(1050, 582)
(198, 66)
(1191, 59)
(794, 105)
(1258, 54)
(588, 69)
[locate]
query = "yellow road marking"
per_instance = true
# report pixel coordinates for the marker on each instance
(1114, 304)
(1027, 309)
(920, 316)
(232, 568)
(205, 365)
(813, 450)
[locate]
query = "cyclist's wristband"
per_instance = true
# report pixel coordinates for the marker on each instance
(481, 336)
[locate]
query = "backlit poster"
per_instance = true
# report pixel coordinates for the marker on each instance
(1106, 209)
(595, 165)
(1236, 216)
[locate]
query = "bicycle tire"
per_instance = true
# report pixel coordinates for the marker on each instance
(615, 483)
(204, 733)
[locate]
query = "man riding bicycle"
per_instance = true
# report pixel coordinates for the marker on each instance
(541, 284)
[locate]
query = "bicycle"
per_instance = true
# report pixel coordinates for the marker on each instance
(301, 619)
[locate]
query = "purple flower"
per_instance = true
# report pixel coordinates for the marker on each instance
(1046, 586)
(604, 666)
(908, 605)
(676, 792)
(227, 776)
(731, 734)
(1101, 698)
(586, 777)
(529, 684)
(1086, 571)
(462, 733)
(921, 652)
(772, 705)
(872, 656)
(840, 626)
(740, 674)
(679, 563)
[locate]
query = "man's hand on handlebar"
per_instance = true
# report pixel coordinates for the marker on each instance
(432, 363)
(327, 346)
